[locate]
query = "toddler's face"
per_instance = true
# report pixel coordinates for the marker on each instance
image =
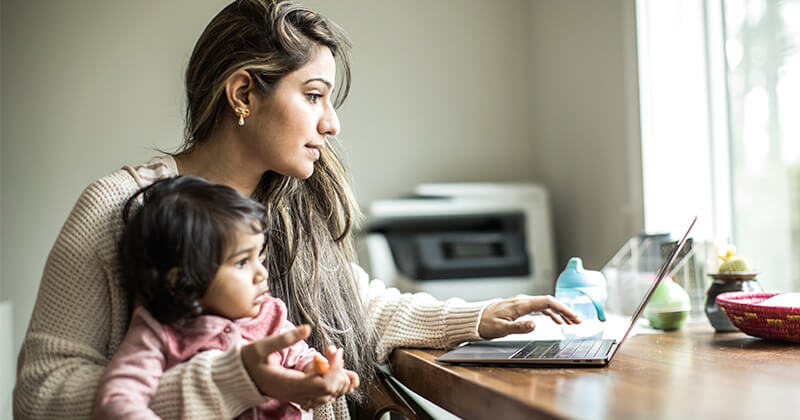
(239, 287)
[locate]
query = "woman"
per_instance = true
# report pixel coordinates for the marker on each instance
(260, 114)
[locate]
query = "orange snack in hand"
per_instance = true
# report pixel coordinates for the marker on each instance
(320, 364)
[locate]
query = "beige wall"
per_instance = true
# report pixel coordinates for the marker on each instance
(2, 196)
(584, 123)
(449, 90)
(441, 92)
(87, 87)
(7, 345)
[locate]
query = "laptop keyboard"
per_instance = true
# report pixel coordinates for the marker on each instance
(564, 349)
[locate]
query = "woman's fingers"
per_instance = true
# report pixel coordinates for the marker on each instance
(499, 318)
(335, 357)
(549, 306)
(273, 343)
(354, 380)
(279, 382)
(336, 378)
(518, 327)
(339, 380)
(559, 318)
(308, 388)
(568, 315)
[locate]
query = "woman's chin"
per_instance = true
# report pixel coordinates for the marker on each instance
(305, 173)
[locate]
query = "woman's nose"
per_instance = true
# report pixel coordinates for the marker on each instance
(329, 123)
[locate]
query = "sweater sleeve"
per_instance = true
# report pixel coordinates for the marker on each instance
(81, 316)
(417, 320)
(131, 379)
(211, 385)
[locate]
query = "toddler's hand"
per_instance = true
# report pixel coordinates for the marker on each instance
(279, 382)
(338, 380)
(319, 365)
(347, 380)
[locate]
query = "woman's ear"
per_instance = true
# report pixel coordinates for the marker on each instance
(239, 89)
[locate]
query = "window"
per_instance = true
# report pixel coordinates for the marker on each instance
(762, 41)
(720, 95)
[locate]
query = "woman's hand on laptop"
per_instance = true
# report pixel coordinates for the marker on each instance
(500, 318)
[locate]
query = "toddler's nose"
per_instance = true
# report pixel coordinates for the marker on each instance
(261, 274)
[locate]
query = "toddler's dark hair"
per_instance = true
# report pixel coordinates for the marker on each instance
(172, 247)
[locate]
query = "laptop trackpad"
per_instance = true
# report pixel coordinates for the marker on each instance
(482, 350)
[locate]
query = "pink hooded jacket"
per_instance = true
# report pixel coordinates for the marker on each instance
(150, 348)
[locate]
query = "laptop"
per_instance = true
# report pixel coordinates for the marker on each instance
(592, 352)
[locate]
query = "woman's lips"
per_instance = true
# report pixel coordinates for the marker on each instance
(315, 150)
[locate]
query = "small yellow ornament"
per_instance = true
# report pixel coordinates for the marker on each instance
(731, 263)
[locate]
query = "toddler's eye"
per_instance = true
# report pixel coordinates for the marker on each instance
(242, 262)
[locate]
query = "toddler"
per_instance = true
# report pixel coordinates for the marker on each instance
(191, 261)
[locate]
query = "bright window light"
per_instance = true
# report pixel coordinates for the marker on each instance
(720, 95)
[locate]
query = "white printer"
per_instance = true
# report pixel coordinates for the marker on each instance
(470, 240)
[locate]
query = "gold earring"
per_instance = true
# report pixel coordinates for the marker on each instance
(242, 113)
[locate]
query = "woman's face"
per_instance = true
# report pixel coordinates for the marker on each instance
(290, 125)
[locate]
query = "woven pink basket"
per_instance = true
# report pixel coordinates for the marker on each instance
(773, 322)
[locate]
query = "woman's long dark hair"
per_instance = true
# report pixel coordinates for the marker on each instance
(173, 245)
(309, 220)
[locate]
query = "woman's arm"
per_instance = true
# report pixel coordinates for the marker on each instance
(419, 320)
(416, 320)
(76, 315)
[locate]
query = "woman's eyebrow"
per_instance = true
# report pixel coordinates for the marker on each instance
(319, 79)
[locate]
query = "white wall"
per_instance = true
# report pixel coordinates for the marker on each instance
(450, 90)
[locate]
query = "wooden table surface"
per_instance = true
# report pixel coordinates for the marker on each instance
(686, 374)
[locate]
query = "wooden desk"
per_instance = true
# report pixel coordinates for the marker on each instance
(693, 373)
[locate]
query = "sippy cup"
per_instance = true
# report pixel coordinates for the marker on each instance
(584, 291)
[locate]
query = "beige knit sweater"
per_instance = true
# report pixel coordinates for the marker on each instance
(81, 315)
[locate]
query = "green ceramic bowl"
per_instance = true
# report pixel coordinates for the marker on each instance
(669, 307)
(671, 320)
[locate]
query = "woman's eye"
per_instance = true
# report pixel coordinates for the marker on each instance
(313, 97)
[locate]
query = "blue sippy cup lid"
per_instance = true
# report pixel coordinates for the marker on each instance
(574, 276)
